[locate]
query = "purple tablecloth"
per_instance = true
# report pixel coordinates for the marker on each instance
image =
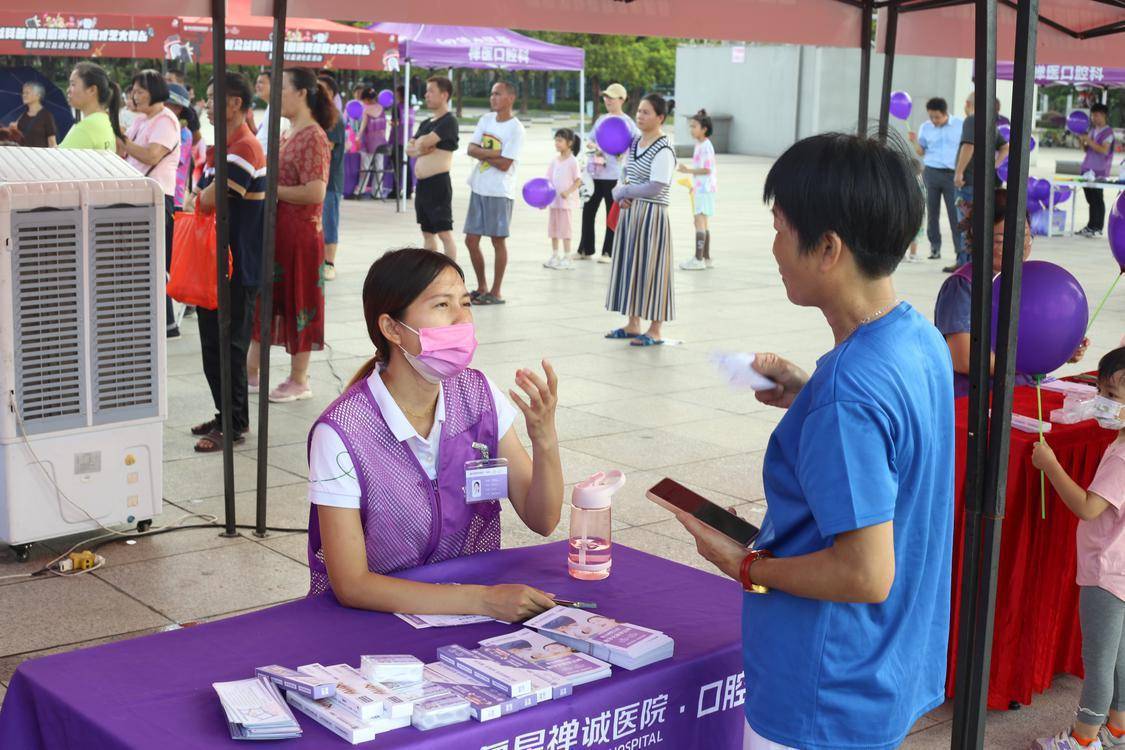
(351, 174)
(154, 693)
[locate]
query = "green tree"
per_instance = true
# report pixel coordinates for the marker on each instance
(638, 63)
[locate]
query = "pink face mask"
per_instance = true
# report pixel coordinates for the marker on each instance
(446, 351)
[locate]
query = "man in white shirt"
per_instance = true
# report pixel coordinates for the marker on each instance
(496, 145)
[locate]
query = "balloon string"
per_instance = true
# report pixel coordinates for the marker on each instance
(1042, 476)
(1102, 303)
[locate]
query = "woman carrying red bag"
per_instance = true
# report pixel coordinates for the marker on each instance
(298, 283)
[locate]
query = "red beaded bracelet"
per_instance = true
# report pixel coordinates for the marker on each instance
(744, 571)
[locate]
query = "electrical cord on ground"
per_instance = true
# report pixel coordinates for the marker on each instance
(114, 535)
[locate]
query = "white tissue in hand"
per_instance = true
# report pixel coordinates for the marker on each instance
(738, 369)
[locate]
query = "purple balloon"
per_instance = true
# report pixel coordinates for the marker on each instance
(1053, 315)
(1078, 122)
(900, 104)
(538, 193)
(1005, 131)
(1031, 143)
(1040, 190)
(613, 136)
(1117, 230)
(1002, 171)
(354, 109)
(386, 98)
(1062, 194)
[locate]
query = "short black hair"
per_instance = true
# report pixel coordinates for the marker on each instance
(1110, 365)
(658, 103)
(443, 84)
(864, 191)
(937, 104)
(508, 87)
(237, 85)
(151, 81)
(1099, 108)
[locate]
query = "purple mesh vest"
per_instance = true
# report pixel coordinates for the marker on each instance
(409, 520)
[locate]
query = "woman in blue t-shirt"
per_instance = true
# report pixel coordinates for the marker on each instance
(846, 615)
(953, 309)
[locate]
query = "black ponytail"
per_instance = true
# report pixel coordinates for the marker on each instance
(571, 137)
(109, 93)
(317, 96)
(704, 121)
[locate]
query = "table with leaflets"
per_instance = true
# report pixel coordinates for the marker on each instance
(1037, 634)
(155, 691)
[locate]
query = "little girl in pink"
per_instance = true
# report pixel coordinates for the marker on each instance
(563, 176)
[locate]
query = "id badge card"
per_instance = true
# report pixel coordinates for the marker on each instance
(486, 479)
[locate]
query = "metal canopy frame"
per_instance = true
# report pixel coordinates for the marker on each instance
(989, 431)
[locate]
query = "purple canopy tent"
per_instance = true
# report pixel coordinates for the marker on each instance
(1047, 75)
(434, 46)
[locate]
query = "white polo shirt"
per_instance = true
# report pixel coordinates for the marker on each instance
(332, 477)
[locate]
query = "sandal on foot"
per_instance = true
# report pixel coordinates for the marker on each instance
(621, 333)
(202, 429)
(645, 340)
(212, 442)
(489, 299)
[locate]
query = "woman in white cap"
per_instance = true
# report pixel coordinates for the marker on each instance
(606, 171)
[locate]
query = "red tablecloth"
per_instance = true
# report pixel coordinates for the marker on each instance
(1037, 634)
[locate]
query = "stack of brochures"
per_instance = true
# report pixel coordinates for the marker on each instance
(256, 711)
(619, 643)
(574, 666)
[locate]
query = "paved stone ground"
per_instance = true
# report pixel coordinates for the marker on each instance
(652, 413)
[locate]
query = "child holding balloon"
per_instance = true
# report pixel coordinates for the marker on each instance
(1100, 719)
(563, 174)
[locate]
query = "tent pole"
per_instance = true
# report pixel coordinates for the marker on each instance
(969, 698)
(222, 233)
(269, 237)
(405, 125)
(888, 70)
(864, 65)
(582, 103)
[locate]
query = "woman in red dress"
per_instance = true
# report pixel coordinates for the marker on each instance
(298, 283)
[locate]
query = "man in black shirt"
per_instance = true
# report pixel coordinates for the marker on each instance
(433, 146)
(963, 174)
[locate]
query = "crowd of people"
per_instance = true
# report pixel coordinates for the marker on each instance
(855, 551)
(945, 145)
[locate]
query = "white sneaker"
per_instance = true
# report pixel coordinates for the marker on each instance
(553, 263)
(693, 264)
(565, 264)
(329, 272)
(1063, 741)
(604, 259)
(911, 258)
(252, 383)
(709, 263)
(1108, 740)
(290, 390)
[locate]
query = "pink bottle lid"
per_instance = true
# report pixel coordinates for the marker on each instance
(596, 492)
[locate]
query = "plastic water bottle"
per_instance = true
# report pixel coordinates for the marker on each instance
(590, 551)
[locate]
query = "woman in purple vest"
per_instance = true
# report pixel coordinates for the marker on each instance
(387, 459)
(953, 309)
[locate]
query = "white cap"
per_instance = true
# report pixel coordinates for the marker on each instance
(596, 492)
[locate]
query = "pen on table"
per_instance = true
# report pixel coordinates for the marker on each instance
(576, 605)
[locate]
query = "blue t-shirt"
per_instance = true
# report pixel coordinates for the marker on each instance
(953, 313)
(869, 439)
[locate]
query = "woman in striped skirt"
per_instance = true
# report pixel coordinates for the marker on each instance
(640, 285)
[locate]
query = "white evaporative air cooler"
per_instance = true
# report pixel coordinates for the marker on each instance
(82, 371)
